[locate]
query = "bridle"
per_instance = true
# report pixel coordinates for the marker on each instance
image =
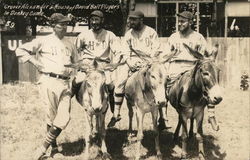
(104, 91)
(199, 81)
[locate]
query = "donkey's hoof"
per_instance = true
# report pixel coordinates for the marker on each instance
(106, 156)
(184, 156)
(201, 156)
(159, 156)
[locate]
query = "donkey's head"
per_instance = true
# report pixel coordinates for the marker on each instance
(206, 76)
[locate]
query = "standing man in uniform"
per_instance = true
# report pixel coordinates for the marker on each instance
(183, 60)
(52, 53)
(95, 42)
(141, 39)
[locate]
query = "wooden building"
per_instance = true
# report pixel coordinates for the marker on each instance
(212, 17)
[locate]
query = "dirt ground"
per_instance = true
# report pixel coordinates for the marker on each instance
(23, 129)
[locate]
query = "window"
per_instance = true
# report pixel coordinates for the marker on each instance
(203, 22)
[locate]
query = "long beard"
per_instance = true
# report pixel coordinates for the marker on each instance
(96, 27)
(184, 30)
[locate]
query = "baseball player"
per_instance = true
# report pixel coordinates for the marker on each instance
(52, 53)
(95, 42)
(183, 60)
(143, 40)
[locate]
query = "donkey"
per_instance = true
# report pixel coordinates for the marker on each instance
(191, 93)
(93, 97)
(145, 90)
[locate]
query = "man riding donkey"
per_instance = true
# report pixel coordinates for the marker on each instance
(140, 42)
(183, 60)
(96, 43)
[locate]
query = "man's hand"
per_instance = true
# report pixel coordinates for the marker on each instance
(37, 64)
(134, 65)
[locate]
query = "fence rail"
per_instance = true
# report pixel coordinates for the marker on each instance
(233, 60)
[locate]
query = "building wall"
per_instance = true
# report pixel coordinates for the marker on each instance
(233, 60)
(238, 9)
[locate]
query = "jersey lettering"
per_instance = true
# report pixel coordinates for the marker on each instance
(91, 45)
(147, 42)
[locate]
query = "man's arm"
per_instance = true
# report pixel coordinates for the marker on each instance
(27, 51)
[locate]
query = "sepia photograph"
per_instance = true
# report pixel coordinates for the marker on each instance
(124, 79)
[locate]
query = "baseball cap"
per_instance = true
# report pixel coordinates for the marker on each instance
(185, 14)
(136, 14)
(58, 18)
(96, 13)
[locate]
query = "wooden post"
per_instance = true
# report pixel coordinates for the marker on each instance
(226, 18)
(1, 61)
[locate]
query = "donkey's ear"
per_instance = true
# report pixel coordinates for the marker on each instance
(215, 52)
(142, 78)
(193, 52)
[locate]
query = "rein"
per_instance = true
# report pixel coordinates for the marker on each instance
(199, 79)
(147, 92)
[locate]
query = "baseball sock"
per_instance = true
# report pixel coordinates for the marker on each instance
(118, 103)
(51, 136)
(53, 144)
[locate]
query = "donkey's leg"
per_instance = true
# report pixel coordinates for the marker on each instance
(199, 136)
(184, 136)
(88, 134)
(130, 114)
(191, 130)
(177, 130)
(140, 117)
(156, 130)
(103, 136)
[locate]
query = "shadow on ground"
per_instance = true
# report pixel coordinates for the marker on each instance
(116, 141)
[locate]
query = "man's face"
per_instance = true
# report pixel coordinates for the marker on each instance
(96, 23)
(183, 24)
(135, 23)
(60, 29)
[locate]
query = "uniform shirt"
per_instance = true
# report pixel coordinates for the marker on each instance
(100, 45)
(194, 40)
(145, 41)
(51, 51)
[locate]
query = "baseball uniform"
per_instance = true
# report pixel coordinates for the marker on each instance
(101, 45)
(53, 53)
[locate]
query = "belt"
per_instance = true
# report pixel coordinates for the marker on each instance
(182, 61)
(57, 76)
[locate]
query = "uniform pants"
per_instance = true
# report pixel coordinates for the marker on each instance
(57, 99)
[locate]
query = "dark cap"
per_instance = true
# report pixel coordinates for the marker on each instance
(186, 14)
(136, 14)
(96, 13)
(58, 18)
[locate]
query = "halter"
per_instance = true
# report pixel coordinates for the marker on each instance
(89, 108)
(196, 70)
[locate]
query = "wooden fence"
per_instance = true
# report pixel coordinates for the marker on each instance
(233, 60)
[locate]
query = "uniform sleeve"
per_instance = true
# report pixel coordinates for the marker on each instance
(113, 43)
(165, 49)
(156, 46)
(74, 54)
(124, 49)
(170, 43)
(204, 48)
(80, 43)
(25, 51)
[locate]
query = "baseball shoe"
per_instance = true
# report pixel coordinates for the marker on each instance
(163, 125)
(56, 152)
(113, 121)
(39, 153)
